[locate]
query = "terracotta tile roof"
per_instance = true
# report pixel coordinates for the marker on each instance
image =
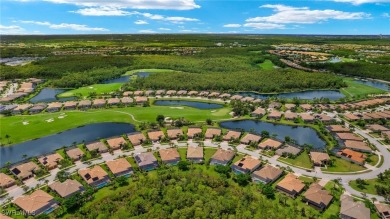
(348, 136)
(248, 162)
(140, 99)
(84, 103)
(54, 105)
(232, 135)
(306, 117)
(169, 154)
(318, 195)
(99, 102)
(116, 143)
(23, 107)
(171, 92)
(259, 111)
(149, 92)
(182, 92)
(353, 209)
(270, 143)
(225, 95)
(126, 100)
(75, 153)
(203, 93)
(3, 216)
(289, 106)
(376, 127)
(113, 101)
(236, 97)
(319, 157)
(195, 152)
(223, 155)
(383, 210)
(34, 201)
(192, 93)
(191, 132)
(66, 188)
(138, 93)
(50, 161)
(118, 166)
(155, 135)
(144, 159)
(26, 169)
(274, 114)
(160, 92)
(128, 93)
(136, 138)
(350, 116)
(249, 138)
(306, 106)
(214, 94)
(70, 104)
(291, 183)
(96, 146)
(289, 150)
(211, 132)
(290, 115)
(5, 180)
(338, 128)
(352, 155)
(357, 145)
(174, 133)
(91, 175)
(268, 172)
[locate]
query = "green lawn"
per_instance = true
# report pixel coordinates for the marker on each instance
(334, 207)
(208, 153)
(357, 89)
(368, 188)
(183, 153)
(97, 88)
(303, 160)
(267, 65)
(237, 158)
(341, 165)
(307, 179)
(38, 127)
(373, 159)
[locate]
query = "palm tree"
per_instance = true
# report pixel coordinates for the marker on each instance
(7, 136)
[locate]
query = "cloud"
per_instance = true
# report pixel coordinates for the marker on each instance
(141, 22)
(232, 25)
(359, 2)
(102, 11)
(177, 20)
(387, 15)
(164, 29)
(303, 15)
(13, 29)
(265, 26)
(133, 4)
(146, 31)
(77, 27)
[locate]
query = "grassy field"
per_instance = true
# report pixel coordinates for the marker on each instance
(373, 159)
(237, 158)
(341, 165)
(97, 88)
(267, 65)
(356, 89)
(303, 160)
(208, 153)
(368, 188)
(38, 127)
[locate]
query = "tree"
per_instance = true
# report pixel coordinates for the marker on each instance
(121, 180)
(242, 179)
(268, 191)
(224, 170)
(160, 119)
(183, 165)
(62, 175)
(209, 121)
(265, 134)
(7, 136)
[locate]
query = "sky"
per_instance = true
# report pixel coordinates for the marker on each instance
(351, 17)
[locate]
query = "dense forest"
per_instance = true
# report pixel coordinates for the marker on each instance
(188, 194)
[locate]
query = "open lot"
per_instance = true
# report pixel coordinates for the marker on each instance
(95, 88)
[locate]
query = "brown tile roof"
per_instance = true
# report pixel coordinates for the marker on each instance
(223, 155)
(291, 183)
(155, 135)
(3, 216)
(138, 93)
(128, 93)
(113, 100)
(70, 104)
(353, 209)
(270, 143)
(191, 132)
(259, 111)
(195, 152)
(136, 138)
(5, 180)
(318, 195)
(268, 172)
(75, 153)
(306, 106)
(126, 100)
(376, 127)
(66, 188)
(22, 107)
(289, 106)
(352, 155)
(159, 92)
(338, 128)
(225, 95)
(249, 138)
(50, 161)
(54, 105)
(26, 169)
(306, 117)
(93, 174)
(171, 92)
(99, 102)
(174, 133)
(203, 93)
(357, 145)
(140, 99)
(350, 116)
(169, 154)
(118, 166)
(290, 115)
(274, 114)
(96, 146)
(33, 202)
(211, 132)
(182, 92)
(348, 136)
(84, 103)
(232, 135)
(214, 94)
(116, 143)
(236, 97)
(289, 150)
(383, 210)
(149, 92)
(319, 157)
(247, 99)
(248, 162)
(144, 159)
(191, 93)
(324, 118)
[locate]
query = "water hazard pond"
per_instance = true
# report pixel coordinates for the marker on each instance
(302, 135)
(194, 104)
(51, 143)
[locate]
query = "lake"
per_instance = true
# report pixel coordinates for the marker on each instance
(50, 95)
(194, 104)
(302, 135)
(125, 78)
(306, 95)
(377, 84)
(51, 143)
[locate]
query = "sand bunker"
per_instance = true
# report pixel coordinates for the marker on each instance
(50, 120)
(25, 123)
